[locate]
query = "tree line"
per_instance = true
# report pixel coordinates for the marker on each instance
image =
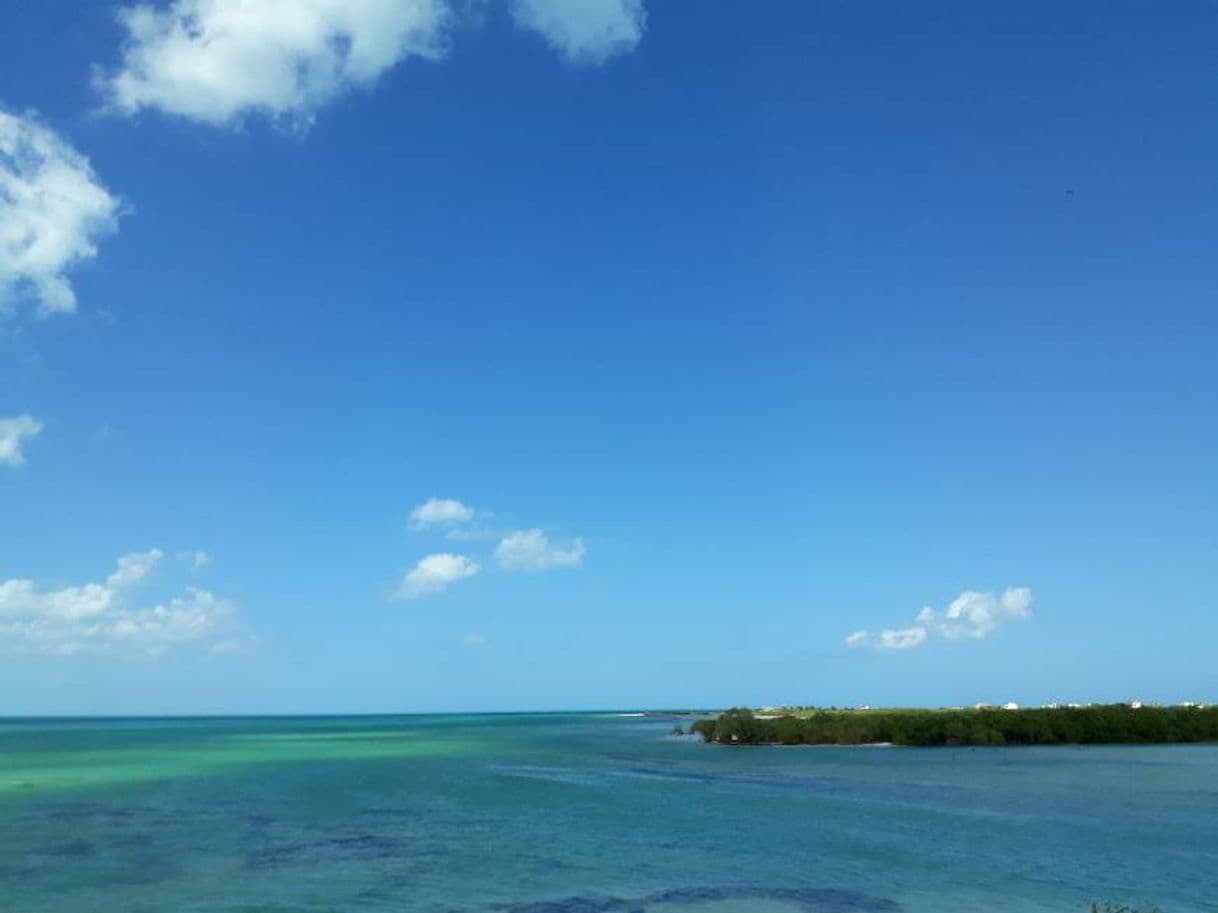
(1092, 725)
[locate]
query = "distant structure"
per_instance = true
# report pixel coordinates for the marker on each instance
(1010, 705)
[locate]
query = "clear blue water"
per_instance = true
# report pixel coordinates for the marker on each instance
(582, 814)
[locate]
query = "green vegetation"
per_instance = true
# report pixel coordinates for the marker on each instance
(1092, 725)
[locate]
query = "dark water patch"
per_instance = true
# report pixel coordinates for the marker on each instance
(389, 812)
(115, 814)
(137, 876)
(772, 781)
(366, 846)
(553, 864)
(62, 812)
(69, 849)
(253, 819)
(810, 900)
(274, 856)
(828, 900)
(345, 848)
(12, 870)
(133, 840)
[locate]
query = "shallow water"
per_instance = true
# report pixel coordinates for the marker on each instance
(591, 813)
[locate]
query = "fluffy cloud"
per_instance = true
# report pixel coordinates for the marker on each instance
(12, 432)
(196, 558)
(434, 573)
(53, 211)
(217, 61)
(516, 550)
(440, 512)
(584, 32)
(96, 617)
(531, 550)
(972, 615)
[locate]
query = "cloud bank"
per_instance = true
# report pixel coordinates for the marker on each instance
(12, 432)
(219, 61)
(584, 32)
(434, 574)
(53, 212)
(98, 618)
(972, 615)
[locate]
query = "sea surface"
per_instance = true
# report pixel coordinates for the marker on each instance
(582, 813)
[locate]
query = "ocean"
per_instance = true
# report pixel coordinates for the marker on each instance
(583, 813)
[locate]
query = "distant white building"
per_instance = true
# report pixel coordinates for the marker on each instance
(1010, 705)
(1135, 705)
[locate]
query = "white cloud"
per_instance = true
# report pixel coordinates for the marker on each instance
(888, 638)
(516, 550)
(184, 619)
(217, 61)
(134, 567)
(74, 603)
(858, 639)
(196, 558)
(584, 32)
(53, 212)
(12, 432)
(440, 512)
(434, 573)
(902, 638)
(972, 614)
(531, 550)
(95, 617)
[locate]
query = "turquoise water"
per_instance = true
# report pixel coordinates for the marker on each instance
(591, 813)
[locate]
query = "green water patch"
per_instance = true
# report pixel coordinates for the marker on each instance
(34, 771)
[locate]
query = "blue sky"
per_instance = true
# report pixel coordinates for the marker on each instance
(727, 338)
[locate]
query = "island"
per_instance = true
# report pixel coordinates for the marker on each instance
(1095, 724)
